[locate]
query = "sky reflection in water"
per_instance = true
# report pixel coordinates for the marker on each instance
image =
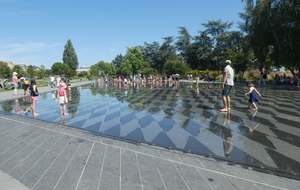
(184, 117)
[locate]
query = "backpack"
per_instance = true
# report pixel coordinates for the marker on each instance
(26, 81)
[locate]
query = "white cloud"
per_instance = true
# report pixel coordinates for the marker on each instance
(111, 49)
(10, 49)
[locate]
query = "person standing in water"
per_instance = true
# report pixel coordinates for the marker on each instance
(33, 95)
(63, 100)
(227, 85)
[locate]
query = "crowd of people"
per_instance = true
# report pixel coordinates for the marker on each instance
(287, 80)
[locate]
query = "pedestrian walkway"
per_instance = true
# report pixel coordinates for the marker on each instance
(37, 154)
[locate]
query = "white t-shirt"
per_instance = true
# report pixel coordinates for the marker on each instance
(230, 75)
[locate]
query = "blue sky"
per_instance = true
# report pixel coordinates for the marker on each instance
(34, 32)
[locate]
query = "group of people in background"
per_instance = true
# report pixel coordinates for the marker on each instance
(287, 80)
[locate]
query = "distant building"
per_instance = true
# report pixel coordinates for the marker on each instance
(23, 66)
(11, 65)
(83, 68)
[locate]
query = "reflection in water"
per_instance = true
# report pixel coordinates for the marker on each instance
(227, 135)
(72, 106)
(63, 119)
(253, 123)
(177, 116)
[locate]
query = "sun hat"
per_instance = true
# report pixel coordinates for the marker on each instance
(228, 62)
(62, 85)
(15, 73)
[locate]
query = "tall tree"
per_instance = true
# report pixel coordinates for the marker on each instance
(273, 27)
(183, 43)
(166, 51)
(118, 60)
(200, 53)
(134, 57)
(217, 29)
(70, 56)
(151, 54)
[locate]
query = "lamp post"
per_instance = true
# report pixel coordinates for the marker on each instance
(252, 61)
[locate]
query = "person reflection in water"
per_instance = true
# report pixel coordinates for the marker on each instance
(63, 119)
(253, 123)
(227, 135)
(197, 89)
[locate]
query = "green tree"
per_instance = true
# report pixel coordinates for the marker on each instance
(102, 67)
(200, 55)
(70, 56)
(83, 74)
(166, 51)
(151, 54)
(183, 43)
(125, 68)
(134, 57)
(70, 73)
(59, 68)
(41, 72)
(93, 70)
(217, 29)
(273, 27)
(19, 70)
(118, 60)
(110, 69)
(31, 72)
(5, 71)
(175, 66)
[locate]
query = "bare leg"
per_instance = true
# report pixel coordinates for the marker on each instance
(65, 110)
(33, 109)
(60, 109)
(16, 89)
(225, 104)
(228, 102)
(255, 107)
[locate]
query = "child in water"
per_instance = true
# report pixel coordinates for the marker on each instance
(253, 97)
(62, 99)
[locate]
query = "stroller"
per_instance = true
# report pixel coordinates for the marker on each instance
(5, 84)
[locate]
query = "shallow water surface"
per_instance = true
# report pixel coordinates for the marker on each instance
(184, 117)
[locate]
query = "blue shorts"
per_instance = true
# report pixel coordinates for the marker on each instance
(226, 91)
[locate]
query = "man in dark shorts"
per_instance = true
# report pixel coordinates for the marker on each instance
(227, 84)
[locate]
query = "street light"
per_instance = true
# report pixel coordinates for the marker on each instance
(252, 61)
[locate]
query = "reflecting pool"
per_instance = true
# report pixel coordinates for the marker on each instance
(184, 117)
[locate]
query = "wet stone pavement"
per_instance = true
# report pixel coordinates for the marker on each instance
(186, 118)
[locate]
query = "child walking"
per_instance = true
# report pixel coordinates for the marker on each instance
(63, 100)
(253, 98)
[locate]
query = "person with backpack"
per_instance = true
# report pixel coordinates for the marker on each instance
(33, 95)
